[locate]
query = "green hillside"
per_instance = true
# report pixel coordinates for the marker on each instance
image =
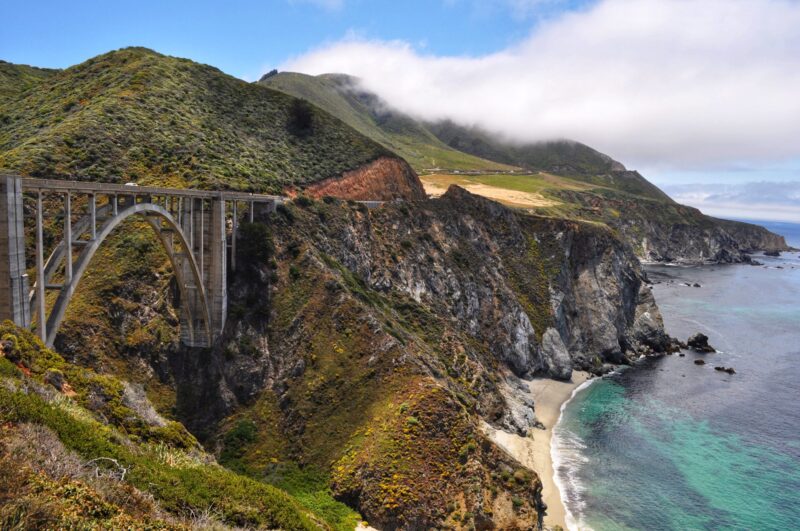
(81, 450)
(448, 146)
(15, 79)
(136, 115)
(562, 157)
(366, 113)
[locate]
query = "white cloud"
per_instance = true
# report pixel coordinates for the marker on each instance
(681, 84)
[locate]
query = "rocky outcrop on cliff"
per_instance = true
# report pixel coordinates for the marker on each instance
(384, 179)
(507, 279)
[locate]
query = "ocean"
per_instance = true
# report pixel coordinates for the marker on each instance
(667, 444)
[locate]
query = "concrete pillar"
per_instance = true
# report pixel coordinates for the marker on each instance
(206, 225)
(92, 217)
(40, 276)
(216, 279)
(234, 232)
(13, 278)
(67, 238)
(193, 331)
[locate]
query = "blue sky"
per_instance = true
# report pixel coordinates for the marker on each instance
(688, 92)
(244, 37)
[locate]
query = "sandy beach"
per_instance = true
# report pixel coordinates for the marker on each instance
(533, 451)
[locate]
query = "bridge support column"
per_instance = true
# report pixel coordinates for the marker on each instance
(216, 260)
(204, 226)
(13, 278)
(193, 331)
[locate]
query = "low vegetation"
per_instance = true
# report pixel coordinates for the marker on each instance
(89, 415)
(136, 115)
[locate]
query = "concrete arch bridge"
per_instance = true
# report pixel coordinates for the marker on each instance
(195, 227)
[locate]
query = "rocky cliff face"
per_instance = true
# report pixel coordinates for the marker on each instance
(384, 179)
(373, 335)
(707, 241)
(661, 231)
(359, 340)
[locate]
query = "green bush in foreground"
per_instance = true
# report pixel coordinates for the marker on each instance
(188, 488)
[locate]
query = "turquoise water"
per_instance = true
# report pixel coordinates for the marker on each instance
(667, 444)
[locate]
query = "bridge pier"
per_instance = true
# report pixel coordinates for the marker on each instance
(13, 277)
(205, 227)
(216, 279)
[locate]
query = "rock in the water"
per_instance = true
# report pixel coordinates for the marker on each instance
(772, 253)
(555, 355)
(681, 354)
(729, 370)
(699, 362)
(699, 343)
(696, 285)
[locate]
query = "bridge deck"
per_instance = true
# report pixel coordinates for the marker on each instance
(86, 187)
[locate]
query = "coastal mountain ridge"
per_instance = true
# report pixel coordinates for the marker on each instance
(357, 339)
(592, 186)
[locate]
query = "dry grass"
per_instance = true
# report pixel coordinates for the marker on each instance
(515, 190)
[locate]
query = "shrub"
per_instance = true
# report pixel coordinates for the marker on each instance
(303, 201)
(243, 433)
(255, 244)
(286, 212)
(301, 118)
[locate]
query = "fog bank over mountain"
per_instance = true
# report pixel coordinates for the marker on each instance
(689, 85)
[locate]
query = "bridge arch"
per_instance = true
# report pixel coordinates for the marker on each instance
(196, 244)
(155, 215)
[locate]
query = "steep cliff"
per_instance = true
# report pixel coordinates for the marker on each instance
(384, 179)
(369, 338)
(662, 231)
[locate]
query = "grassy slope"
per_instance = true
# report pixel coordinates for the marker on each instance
(136, 115)
(545, 185)
(93, 417)
(563, 157)
(402, 134)
(15, 79)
